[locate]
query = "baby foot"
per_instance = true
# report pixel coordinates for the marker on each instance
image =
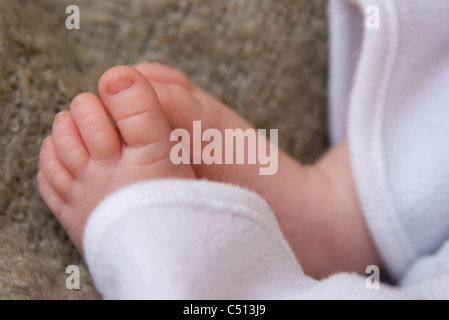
(184, 103)
(87, 157)
(315, 205)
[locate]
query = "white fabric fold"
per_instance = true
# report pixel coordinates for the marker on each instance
(189, 239)
(392, 84)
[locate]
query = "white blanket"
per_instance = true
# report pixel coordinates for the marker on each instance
(177, 239)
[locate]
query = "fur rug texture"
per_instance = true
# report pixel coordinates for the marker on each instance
(267, 59)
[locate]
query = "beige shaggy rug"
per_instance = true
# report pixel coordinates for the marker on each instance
(265, 58)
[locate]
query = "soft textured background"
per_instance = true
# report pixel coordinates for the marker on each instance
(265, 58)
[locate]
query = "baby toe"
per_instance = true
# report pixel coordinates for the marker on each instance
(69, 145)
(54, 171)
(179, 104)
(158, 72)
(95, 127)
(134, 106)
(51, 197)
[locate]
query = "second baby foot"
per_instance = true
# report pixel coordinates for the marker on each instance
(87, 157)
(315, 205)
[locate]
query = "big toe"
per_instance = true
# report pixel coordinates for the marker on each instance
(157, 72)
(97, 131)
(134, 106)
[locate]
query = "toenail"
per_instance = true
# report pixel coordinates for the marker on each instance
(119, 85)
(78, 100)
(60, 116)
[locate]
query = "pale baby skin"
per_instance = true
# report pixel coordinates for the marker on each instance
(87, 157)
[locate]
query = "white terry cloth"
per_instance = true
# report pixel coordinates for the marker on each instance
(189, 239)
(195, 239)
(393, 83)
(180, 239)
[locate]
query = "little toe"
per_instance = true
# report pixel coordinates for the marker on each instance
(134, 106)
(158, 72)
(55, 172)
(69, 145)
(53, 200)
(96, 129)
